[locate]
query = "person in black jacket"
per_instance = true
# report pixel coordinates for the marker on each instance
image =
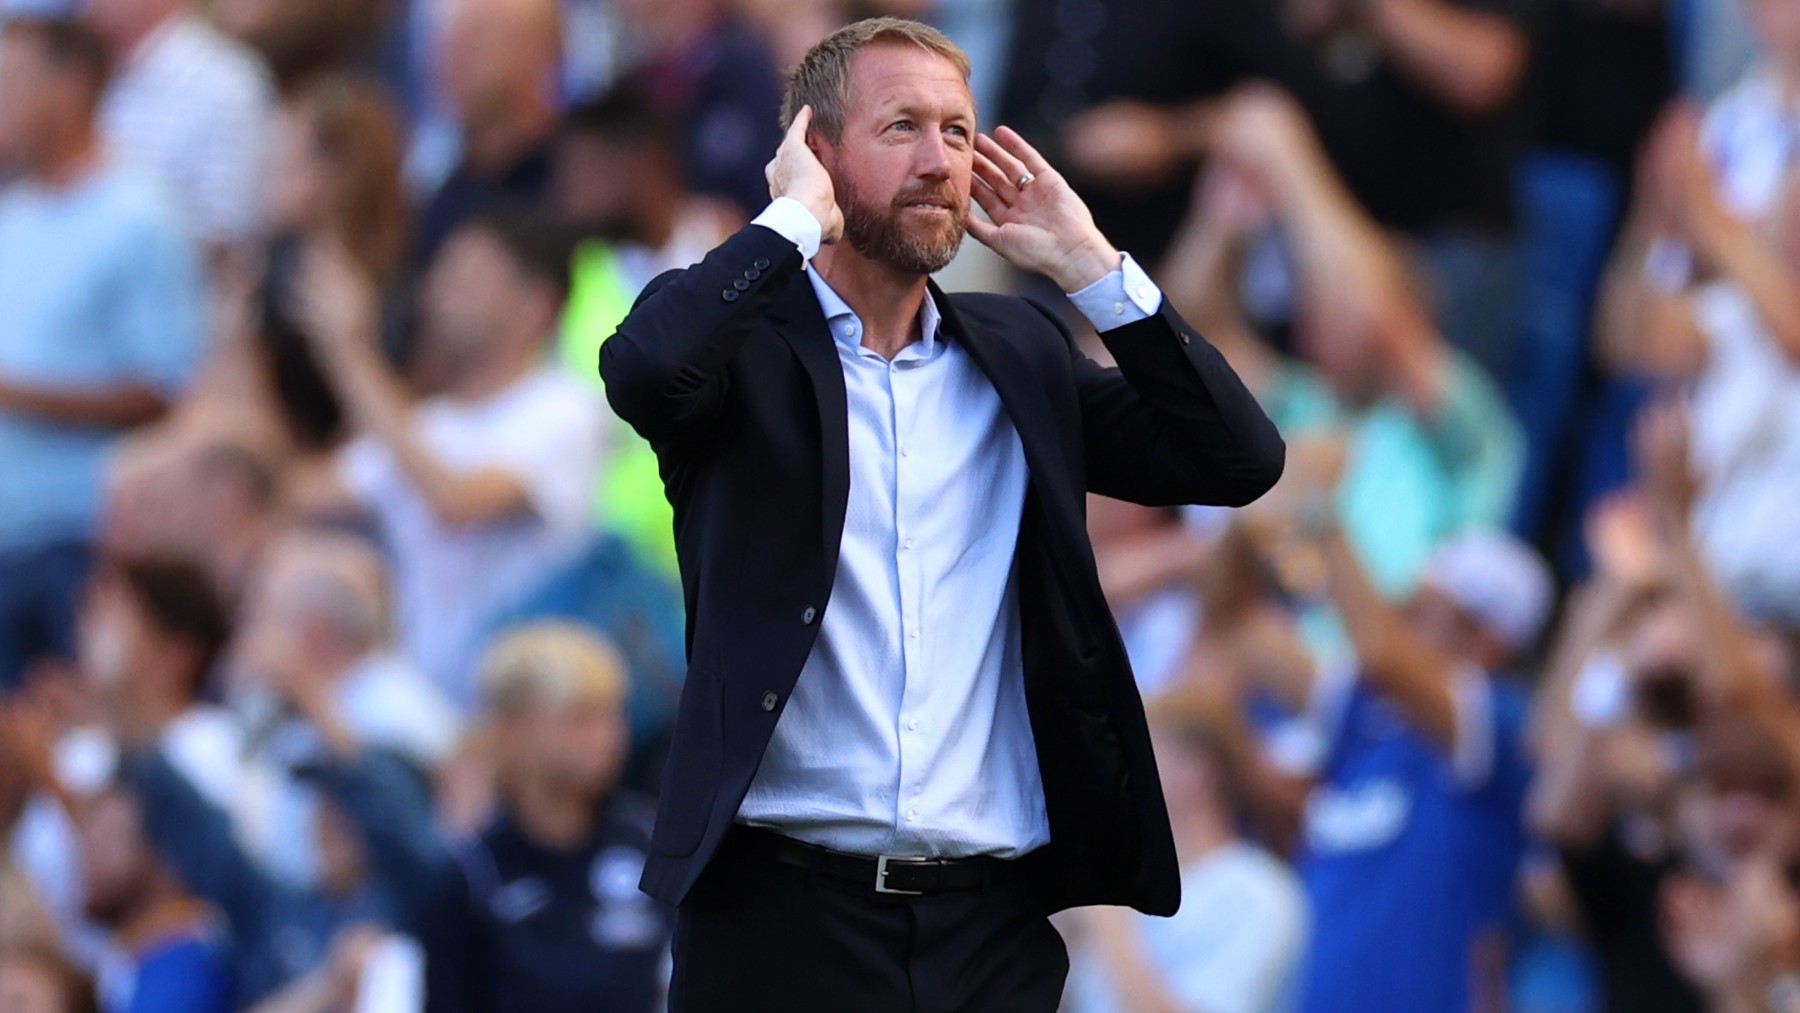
(909, 730)
(541, 910)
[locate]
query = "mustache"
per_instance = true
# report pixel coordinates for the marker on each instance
(943, 194)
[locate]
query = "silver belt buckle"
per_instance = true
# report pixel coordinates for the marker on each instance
(881, 871)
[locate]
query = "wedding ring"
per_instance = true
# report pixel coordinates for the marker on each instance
(1026, 179)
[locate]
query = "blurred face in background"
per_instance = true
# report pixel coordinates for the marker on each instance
(39, 100)
(475, 296)
(1662, 657)
(302, 190)
(497, 54)
(30, 987)
(600, 184)
(1437, 618)
(117, 864)
(569, 748)
(1191, 780)
(1777, 25)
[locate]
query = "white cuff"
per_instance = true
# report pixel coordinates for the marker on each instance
(790, 218)
(1122, 297)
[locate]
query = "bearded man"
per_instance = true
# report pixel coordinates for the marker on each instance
(909, 731)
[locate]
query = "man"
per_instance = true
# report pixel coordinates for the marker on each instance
(541, 911)
(485, 489)
(499, 68)
(909, 730)
(36, 978)
(101, 294)
(191, 105)
(169, 950)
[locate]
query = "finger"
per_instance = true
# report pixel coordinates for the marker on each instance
(994, 177)
(1000, 157)
(985, 197)
(796, 133)
(984, 231)
(1022, 150)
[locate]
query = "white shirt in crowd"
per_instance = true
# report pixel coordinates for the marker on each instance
(450, 583)
(907, 731)
(194, 106)
(1234, 946)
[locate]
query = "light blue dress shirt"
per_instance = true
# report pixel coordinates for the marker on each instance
(907, 732)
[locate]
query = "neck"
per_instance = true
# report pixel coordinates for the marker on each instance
(553, 818)
(496, 374)
(886, 300)
(1201, 833)
(66, 161)
(498, 144)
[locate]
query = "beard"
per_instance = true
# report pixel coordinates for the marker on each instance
(885, 235)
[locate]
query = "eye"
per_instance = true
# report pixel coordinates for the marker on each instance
(957, 130)
(901, 125)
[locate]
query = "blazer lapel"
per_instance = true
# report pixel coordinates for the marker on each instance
(801, 323)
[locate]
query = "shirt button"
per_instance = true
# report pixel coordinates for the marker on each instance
(914, 634)
(911, 814)
(912, 724)
(809, 615)
(1118, 309)
(1143, 291)
(909, 543)
(769, 700)
(904, 452)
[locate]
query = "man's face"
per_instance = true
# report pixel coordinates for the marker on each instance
(577, 747)
(473, 295)
(901, 167)
(494, 51)
(1779, 25)
(598, 183)
(33, 95)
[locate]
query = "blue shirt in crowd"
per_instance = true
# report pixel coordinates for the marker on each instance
(183, 971)
(100, 286)
(1410, 853)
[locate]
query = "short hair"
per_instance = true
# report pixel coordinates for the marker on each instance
(77, 988)
(822, 78)
(71, 45)
(550, 664)
(542, 249)
(624, 114)
(182, 602)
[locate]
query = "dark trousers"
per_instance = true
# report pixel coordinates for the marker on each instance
(757, 935)
(38, 593)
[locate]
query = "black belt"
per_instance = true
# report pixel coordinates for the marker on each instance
(893, 874)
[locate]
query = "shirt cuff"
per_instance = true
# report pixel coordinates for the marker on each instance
(1122, 297)
(790, 218)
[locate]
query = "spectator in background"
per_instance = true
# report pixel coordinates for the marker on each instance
(501, 61)
(711, 72)
(169, 953)
(1235, 945)
(35, 978)
(301, 40)
(481, 491)
(617, 172)
(193, 106)
(541, 911)
(337, 182)
(100, 289)
(1429, 445)
(1703, 289)
(1412, 835)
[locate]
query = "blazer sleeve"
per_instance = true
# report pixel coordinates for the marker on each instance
(1172, 424)
(665, 367)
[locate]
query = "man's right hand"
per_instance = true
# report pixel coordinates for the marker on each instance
(796, 172)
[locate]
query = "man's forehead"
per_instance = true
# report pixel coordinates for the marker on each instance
(890, 75)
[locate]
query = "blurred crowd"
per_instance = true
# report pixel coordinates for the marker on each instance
(340, 629)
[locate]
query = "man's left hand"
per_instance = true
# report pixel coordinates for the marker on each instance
(1034, 218)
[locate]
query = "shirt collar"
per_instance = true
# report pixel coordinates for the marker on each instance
(838, 312)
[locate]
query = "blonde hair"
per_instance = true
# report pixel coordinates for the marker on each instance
(553, 664)
(822, 79)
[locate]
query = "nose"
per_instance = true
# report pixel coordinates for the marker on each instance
(933, 159)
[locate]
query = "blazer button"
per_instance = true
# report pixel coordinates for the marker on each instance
(809, 615)
(753, 274)
(1185, 339)
(761, 264)
(769, 700)
(741, 285)
(729, 295)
